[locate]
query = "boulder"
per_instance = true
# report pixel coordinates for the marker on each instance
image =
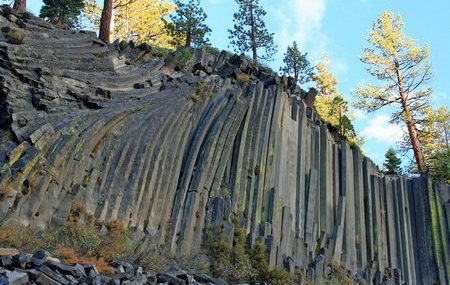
(16, 277)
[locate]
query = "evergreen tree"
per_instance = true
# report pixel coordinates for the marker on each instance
(297, 64)
(188, 24)
(63, 12)
(249, 32)
(20, 6)
(404, 68)
(392, 163)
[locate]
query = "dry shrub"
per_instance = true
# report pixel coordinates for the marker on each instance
(89, 244)
(13, 234)
(5, 191)
(70, 256)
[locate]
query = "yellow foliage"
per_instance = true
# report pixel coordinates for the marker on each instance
(434, 137)
(326, 109)
(396, 59)
(331, 106)
(143, 21)
(140, 20)
(326, 82)
(435, 132)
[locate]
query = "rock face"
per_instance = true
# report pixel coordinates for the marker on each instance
(118, 134)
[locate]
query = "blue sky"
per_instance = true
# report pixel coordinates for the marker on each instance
(330, 27)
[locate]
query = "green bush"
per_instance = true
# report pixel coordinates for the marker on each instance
(182, 60)
(160, 52)
(203, 91)
(279, 276)
(241, 263)
(219, 252)
(258, 258)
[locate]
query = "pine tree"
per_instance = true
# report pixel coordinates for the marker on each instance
(188, 24)
(63, 12)
(404, 67)
(297, 64)
(20, 6)
(249, 32)
(392, 163)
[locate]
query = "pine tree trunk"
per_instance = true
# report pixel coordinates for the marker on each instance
(105, 21)
(188, 39)
(412, 132)
(253, 33)
(20, 6)
(296, 73)
(410, 125)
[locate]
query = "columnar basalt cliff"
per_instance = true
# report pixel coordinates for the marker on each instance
(176, 148)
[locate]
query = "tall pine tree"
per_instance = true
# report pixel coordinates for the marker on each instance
(403, 68)
(249, 32)
(297, 65)
(188, 24)
(62, 12)
(392, 162)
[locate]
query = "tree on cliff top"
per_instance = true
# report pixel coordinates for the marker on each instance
(326, 82)
(297, 64)
(107, 16)
(404, 66)
(137, 20)
(62, 12)
(249, 32)
(392, 162)
(331, 106)
(434, 136)
(188, 24)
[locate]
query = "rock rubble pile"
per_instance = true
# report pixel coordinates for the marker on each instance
(41, 268)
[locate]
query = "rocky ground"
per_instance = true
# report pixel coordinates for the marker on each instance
(41, 268)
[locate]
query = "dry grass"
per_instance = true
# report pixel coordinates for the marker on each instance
(70, 256)
(88, 244)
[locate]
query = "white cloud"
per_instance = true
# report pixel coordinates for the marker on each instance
(379, 129)
(303, 25)
(357, 114)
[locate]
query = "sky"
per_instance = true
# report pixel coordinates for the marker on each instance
(338, 29)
